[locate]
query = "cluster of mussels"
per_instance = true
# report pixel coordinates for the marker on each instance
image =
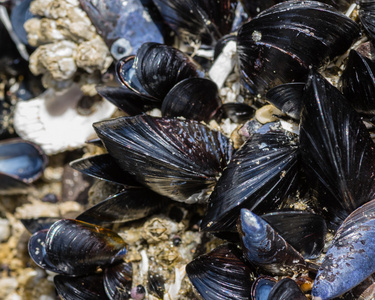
(274, 197)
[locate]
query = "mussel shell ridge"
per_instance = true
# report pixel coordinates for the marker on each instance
(262, 172)
(175, 158)
(221, 274)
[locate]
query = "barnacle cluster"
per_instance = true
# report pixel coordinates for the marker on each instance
(68, 46)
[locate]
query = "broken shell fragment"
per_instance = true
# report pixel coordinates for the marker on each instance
(51, 120)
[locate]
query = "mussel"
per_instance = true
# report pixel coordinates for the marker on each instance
(349, 260)
(160, 76)
(175, 158)
(262, 172)
(221, 274)
(265, 248)
(336, 148)
(284, 41)
(74, 247)
(199, 21)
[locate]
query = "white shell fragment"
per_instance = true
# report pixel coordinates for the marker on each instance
(224, 64)
(51, 120)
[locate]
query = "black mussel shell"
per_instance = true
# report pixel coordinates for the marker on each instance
(358, 83)
(128, 101)
(288, 98)
(11, 63)
(115, 23)
(349, 260)
(118, 281)
(159, 67)
(198, 21)
(305, 231)
(77, 247)
(175, 158)
(261, 287)
(80, 288)
(36, 224)
(192, 98)
(254, 7)
(265, 248)
(286, 289)
(221, 274)
(336, 148)
(262, 172)
(237, 112)
(366, 15)
(292, 36)
(128, 205)
(37, 251)
(105, 167)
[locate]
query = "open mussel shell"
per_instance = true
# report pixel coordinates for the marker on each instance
(198, 21)
(221, 274)
(349, 260)
(22, 159)
(305, 231)
(265, 248)
(261, 287)
(105, 167)
(358, 83)
(366, 15)
(336, 148)
(128, 205)
(293, 36)
(288, 98)
(179, 159)
(261, 174)
(126, 75)
(159, 67)
(89, 287)
(286, 289)
(21, 163)
(118, 281)
(192, 98)
(77, 247)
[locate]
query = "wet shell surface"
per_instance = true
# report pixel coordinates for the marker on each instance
(188, 158)
(76, 247)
